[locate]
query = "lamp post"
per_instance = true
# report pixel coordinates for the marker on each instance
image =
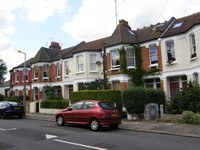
(24, 78)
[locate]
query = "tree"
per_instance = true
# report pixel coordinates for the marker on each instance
(3, 71)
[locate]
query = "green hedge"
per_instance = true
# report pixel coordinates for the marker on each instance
(56, 104)
(155, 96)
(190, 117)
(103, 95)
(136, 98)
(2, 97)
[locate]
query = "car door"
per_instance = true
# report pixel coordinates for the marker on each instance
(86, 112)
(71, 114)
(1, 108)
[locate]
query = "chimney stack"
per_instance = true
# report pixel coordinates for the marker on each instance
(55, 46)
(124, 23)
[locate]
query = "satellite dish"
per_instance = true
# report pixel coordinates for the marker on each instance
(98, 62)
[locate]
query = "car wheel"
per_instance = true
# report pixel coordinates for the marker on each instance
(4, 115)
(113, 126)
(20, 116)
(60, 121)
(94, 125)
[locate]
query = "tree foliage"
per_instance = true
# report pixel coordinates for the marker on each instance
(98, 84)
(3, 71)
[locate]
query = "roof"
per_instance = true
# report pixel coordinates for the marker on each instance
(45, 55)
(95, 45)
(122, 35)
(28, 64)
(182, 25)
(92, 45)
(149, 33)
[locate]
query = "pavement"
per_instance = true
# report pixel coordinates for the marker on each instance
(178, 129)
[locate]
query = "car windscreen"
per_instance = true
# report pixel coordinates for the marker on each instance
(13, 103)
(106, 105)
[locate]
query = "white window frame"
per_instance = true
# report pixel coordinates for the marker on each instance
(66, 68)
(80, 64)
(153, 54)
(114, 59)
(58, 69)
(170, 51)
(93, 65)
(17, 76)
(35, 71)
(192, 45)
(45, 70)
(130, 57)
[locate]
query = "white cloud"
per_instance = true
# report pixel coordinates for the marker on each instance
(96, 18)
(39, 10)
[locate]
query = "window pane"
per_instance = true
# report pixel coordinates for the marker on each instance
(130, 56)
(115, 62)
(153, 54)
(79, 63)
(93, 65)
(170, 51)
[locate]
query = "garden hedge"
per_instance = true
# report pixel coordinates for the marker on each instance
(103, 95)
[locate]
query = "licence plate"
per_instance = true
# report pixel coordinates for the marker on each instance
(16, 108)
(114, 115)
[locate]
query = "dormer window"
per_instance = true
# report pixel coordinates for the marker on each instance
(177, 25)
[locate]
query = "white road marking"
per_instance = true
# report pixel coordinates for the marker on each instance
(1, 129)
(81, 145)
(48, 136)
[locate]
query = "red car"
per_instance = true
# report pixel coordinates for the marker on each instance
(90, 112)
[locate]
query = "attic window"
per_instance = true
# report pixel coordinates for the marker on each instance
(178, 24)
(131, 32)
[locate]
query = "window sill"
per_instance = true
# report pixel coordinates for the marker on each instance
(94, 71)
(153, 65)
(45, 78)
(194, 58)
(82, 72)
(171, 63)
(66, 76)
(131, 67)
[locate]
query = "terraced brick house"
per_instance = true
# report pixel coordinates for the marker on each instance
(180, 44)
(172, 48)
(17, 81)
(125, 38)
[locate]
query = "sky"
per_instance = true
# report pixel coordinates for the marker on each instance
(27, 25)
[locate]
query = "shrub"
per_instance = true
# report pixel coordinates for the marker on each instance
(190, 117)
(57, 104)
(18, 99)
(2, 97)
(187, 100)
(103, 95)
(134, 100)
(155, 96)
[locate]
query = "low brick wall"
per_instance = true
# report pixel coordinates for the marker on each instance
(49, 110)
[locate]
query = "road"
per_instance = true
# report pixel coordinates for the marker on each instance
(26, 134)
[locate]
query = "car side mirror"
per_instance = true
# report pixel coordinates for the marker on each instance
(69, 109)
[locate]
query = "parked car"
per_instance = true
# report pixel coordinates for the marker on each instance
(90, 112)
(8, 109)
